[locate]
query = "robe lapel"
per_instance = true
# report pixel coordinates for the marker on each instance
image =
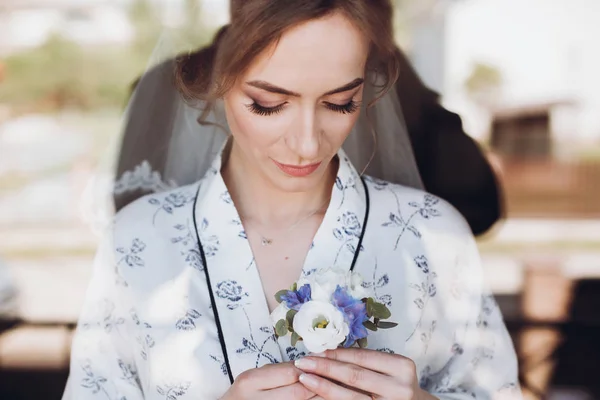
(337, 242)
(337, 239)
(240, 308)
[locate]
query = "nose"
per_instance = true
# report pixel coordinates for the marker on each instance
(305, 138)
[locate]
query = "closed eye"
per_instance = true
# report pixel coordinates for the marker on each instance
(264, 111)
(347, 108)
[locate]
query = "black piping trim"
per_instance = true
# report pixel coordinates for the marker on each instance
(364, 227)
(210, 291)
(212, 296)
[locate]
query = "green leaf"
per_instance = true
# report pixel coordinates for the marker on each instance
(381, 311)
(362, 343)
(386, 325)
(290, 319)
(279, 294)
(295, 338)
(370, 310)
(281, 328)
(294, 287)
(370, 325)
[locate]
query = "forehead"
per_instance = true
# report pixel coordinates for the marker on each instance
(314, 57)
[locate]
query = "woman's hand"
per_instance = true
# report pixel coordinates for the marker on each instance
(363, 374)
(270, 382)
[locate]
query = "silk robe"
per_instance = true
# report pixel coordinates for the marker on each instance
(176, 309)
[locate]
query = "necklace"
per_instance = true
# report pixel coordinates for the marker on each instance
(267, 241)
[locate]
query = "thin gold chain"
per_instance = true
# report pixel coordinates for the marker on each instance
(265, 241)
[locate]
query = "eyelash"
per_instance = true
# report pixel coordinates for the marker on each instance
(347, 108)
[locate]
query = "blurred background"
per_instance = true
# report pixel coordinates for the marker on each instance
(522, 74)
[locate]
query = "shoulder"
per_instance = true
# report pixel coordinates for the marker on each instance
(148, 234)
(405, 205)
(426, 229)
(153, 212)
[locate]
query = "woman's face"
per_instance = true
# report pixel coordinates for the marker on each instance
(297, 103)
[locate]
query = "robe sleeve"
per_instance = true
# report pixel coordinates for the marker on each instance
(482, 363)
(102, 364)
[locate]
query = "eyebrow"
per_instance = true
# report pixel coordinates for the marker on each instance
(275, 89)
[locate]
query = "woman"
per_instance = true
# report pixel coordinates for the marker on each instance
(184, 311)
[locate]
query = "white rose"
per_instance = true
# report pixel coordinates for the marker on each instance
(321, 325)
(324, 282)
(356, 289)
(279, 313)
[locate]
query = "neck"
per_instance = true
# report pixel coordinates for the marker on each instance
(258, 200)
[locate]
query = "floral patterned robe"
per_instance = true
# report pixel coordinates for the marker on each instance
(176, 309)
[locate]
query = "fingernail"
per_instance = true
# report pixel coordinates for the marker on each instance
(308, 380)
(321, 355)
(305, 363)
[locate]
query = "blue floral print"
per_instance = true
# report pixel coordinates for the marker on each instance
(294, 354)
(425, 209)
(251, 346)
(376, 183)
(92, 381)
(349, 232)
(173, 391)
(191, 251)
(158, 253)
(210, 243)
(230, 290)
(343, 186)
(129, 373)
(110, 321)
(187, 322)
(386, 350)
(132, 256)
(379, 282)
(170, 202)
(221, 362)
(427, 289)
(144, 339)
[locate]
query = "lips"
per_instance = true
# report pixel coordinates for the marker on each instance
(298, 170)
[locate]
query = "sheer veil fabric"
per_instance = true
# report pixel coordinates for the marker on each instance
(178, 149)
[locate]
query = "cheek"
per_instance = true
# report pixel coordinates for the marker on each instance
(337, 127)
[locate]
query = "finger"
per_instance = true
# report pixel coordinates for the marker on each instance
(385, 363)
(295, 391)
(329, 390)
(270, 376)
(352, 375)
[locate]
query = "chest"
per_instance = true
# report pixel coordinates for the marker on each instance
(184, 333)
(280, 263)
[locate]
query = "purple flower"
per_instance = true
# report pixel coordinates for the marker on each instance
(295, 299)
(355, 312)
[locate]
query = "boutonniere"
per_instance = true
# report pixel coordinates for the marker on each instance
(329, 309)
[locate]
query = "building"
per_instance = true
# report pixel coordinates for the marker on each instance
(545, 51)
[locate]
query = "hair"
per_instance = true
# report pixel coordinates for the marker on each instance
(257, 24)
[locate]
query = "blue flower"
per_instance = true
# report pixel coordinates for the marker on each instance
(295, 299)
(355, 312)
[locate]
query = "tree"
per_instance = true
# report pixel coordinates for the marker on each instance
(147, 25)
